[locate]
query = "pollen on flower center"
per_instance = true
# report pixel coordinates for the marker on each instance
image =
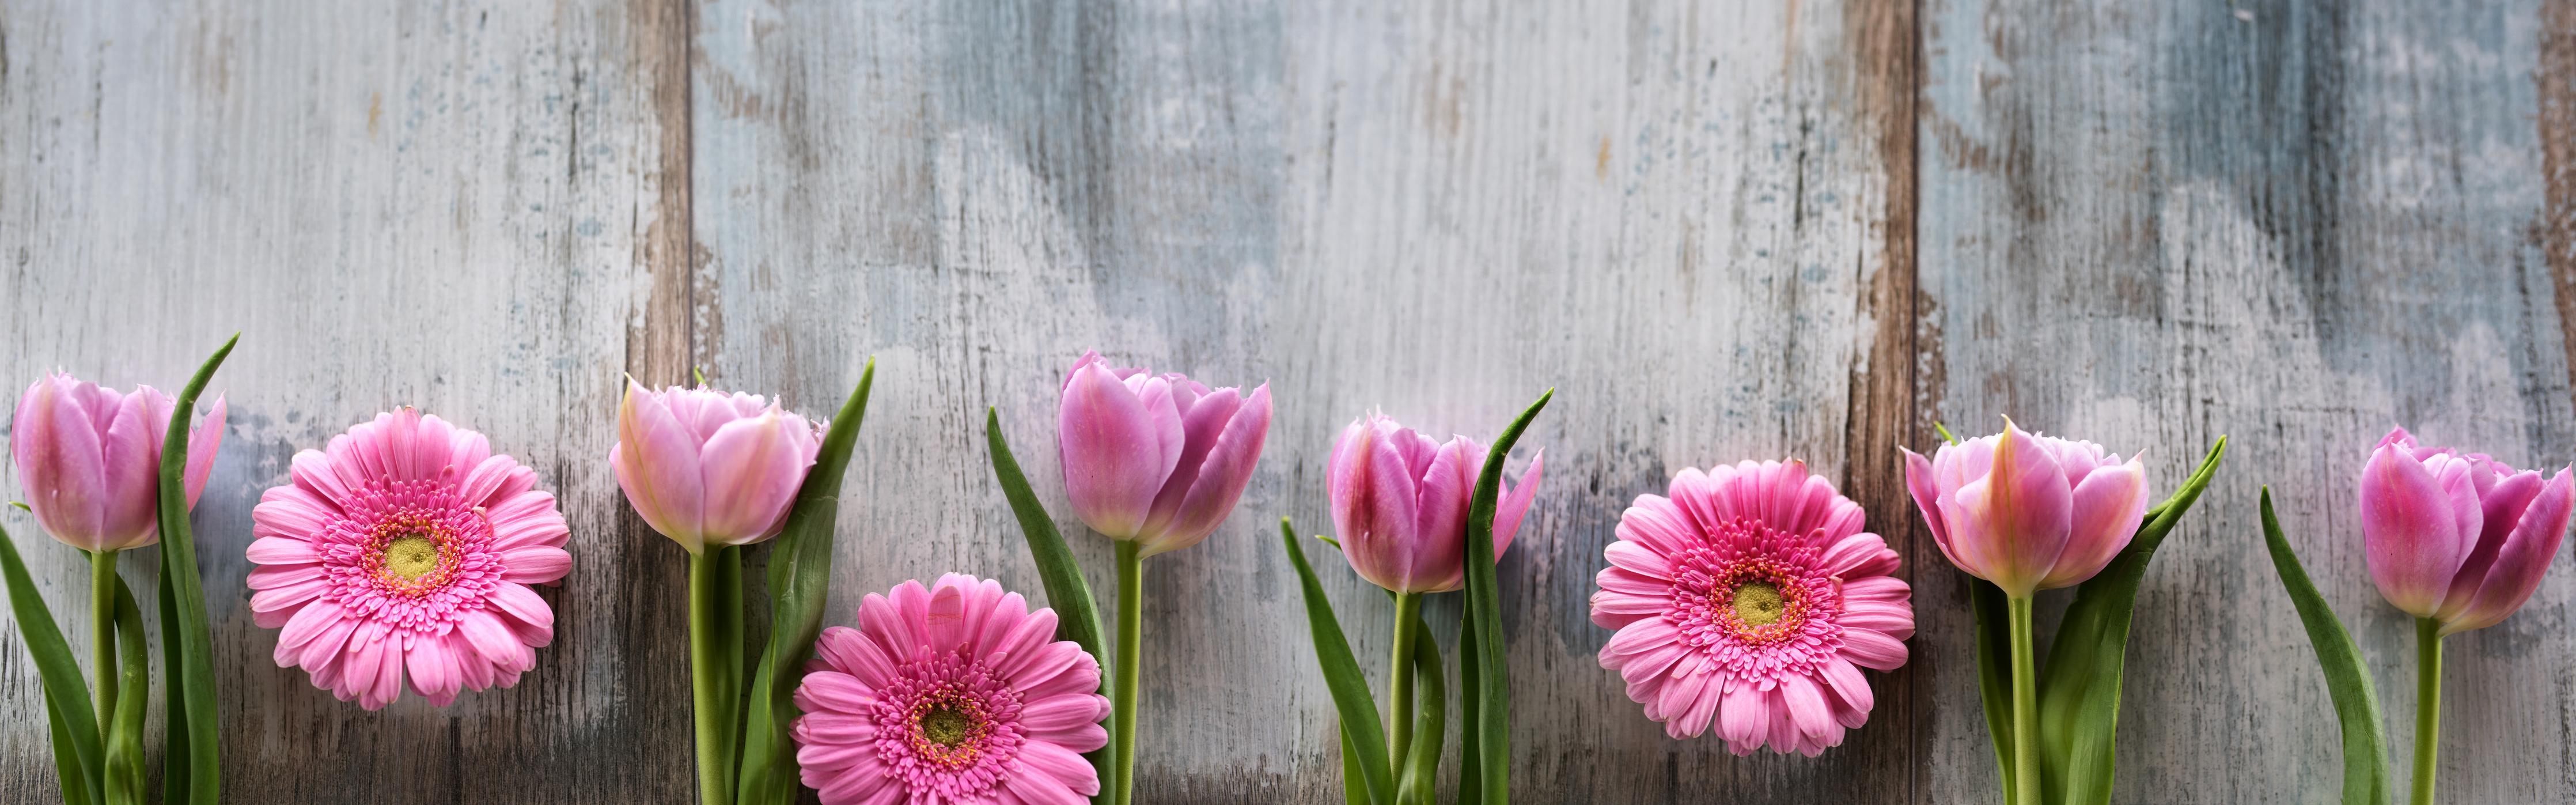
(945, 727)
(411, 557)
(950, 727)
(1758, 604)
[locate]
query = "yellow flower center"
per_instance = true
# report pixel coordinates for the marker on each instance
(946, 727)
(411, 557)
(1759, 604)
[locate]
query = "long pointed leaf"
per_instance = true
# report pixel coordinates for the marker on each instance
(1491, 699)
(2079, 689)
(1994, 674)
(74, 723)
(174, 735)
(1419, 777)
(1077, 612)
(2356, 703)
(123, 763)
(800, 580)
(1361, 729)
(1471, 779)
(193, 730)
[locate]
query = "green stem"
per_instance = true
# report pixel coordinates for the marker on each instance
(2428, 706)
(712, 671)
(102, 635)
(2025, 706)
(1130, 670)
(1399, 679)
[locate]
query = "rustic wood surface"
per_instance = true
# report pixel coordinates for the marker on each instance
(1807, 228)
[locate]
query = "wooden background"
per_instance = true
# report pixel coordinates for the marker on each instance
(1794, 228)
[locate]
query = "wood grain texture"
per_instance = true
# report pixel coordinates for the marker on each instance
(2295, 224)
(1721, 231)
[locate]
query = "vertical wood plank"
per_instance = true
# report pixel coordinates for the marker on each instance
(1677, 214)
(2150, 225)
(436, 204)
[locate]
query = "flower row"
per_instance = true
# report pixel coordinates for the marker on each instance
(1747, 600)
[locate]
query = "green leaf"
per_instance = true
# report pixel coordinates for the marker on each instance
(1994, 672)
(1471, 779)
(124, 752)
(187, 644)
(1077, 612)
(2079, 688)
(1416, 782)
(1490, 742)
(2356, 704)
(1363, 735)
(800, 579)
(1354, 779)
(73, 722)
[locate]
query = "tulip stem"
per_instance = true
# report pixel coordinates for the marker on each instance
(1130, 670)
(2428, 706)
(2025, 706)
(102, 635)
(1399, 679)
(715, 665)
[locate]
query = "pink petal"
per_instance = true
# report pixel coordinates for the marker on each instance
(2525, 557)
(2410, 531)
(1221, 478)
(1114, 450)
(2107, 508)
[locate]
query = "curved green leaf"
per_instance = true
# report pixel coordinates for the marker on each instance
(187, 640)
(1489, 741)
(1363, 735)
(1419, 778)
(2356, 703)
(800, 579)
(2079, 688)
(73, 722)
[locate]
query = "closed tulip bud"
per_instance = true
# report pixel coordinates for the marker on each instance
(90, 460)
(2459, 538)
(1158, 459)
(2028, 512)
(1400, 504)
(709, 468)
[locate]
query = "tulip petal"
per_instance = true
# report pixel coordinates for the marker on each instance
(2524, 557)
(2108, 505)
(1114, 450)
(2409, 532)
(751, 470)
(1201, 425)
(1222, 478)
(203, 441)
(656, 463)
(2024, 511)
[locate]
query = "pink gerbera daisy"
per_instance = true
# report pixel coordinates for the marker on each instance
(405, 549)
(1752, 598)
(952, 694)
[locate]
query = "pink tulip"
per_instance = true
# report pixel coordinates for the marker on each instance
(2459, 538)
(1158, 459)
(708, 468)
(91, 460)
(2028, 512)
(1400, 504)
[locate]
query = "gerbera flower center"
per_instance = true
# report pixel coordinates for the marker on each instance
(949, 727)
(946, 727)
(1758, 604)
(411, 557)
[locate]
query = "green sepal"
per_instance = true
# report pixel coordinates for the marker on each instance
(2365, 742)
(193, 742)
(800, 579)
(2079, 688)
(70, 718)
(1363, 735)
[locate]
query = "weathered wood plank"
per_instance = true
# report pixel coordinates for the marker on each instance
(2153, 224)
(1433, 208)
(435, 204)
